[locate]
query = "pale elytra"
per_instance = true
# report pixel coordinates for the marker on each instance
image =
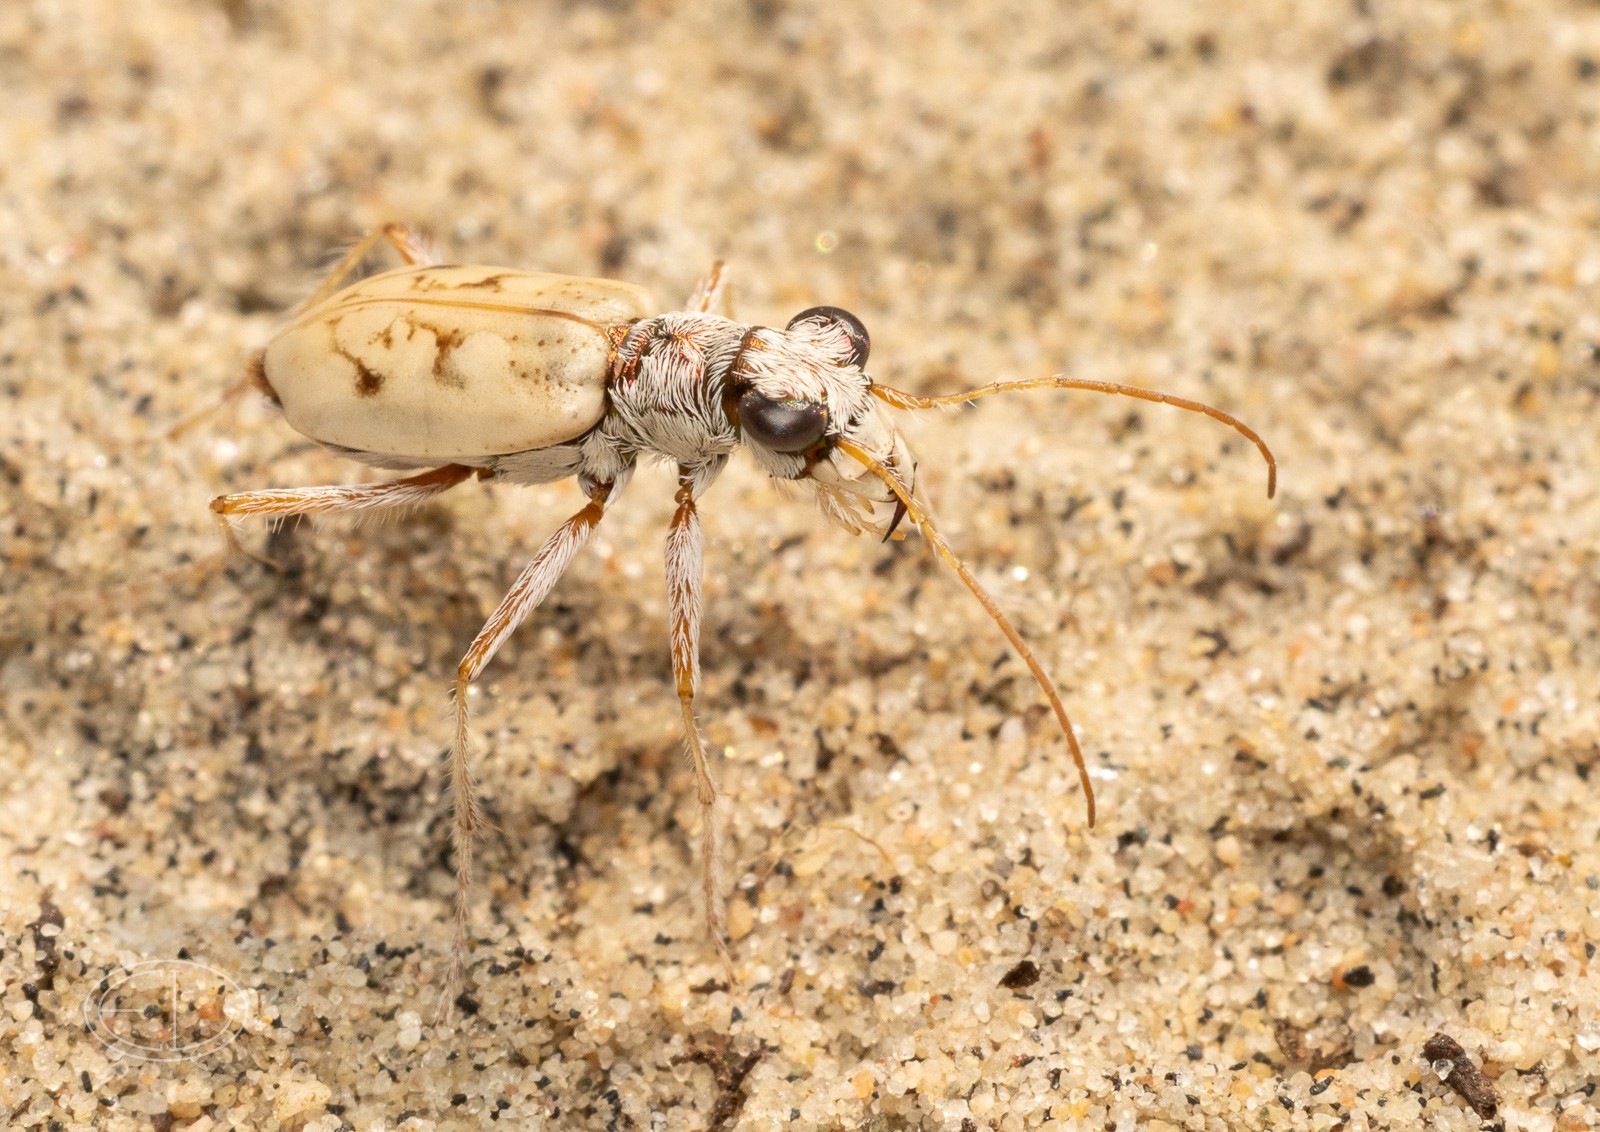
(527, 377)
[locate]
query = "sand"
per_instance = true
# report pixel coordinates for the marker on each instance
(1343, 740)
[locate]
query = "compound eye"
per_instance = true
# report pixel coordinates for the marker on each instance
(852, 336)
(782, 426)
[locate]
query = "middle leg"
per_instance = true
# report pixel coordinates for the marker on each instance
(525, 595)
(712, 293)
(685, 569)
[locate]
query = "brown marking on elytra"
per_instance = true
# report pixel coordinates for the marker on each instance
(385, 337)
(447, 339)
(495, 282)
(428, 280)
(368, 380)
(490, 282)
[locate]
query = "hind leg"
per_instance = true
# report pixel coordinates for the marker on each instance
(399, 238)
(333, 498)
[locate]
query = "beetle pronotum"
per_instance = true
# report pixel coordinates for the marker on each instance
(530, 378)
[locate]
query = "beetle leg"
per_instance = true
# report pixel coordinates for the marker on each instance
(685, 568)
(528, 591)
(399, 238)
(232, 393)
(336, 497)
(711, 292)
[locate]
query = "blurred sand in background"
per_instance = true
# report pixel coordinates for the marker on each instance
(1344, 741)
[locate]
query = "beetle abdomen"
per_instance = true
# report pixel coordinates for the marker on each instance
(451, 362)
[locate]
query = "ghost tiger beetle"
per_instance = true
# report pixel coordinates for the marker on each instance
(529, 377)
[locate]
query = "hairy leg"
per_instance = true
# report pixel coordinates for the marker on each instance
(712, 294)
(333, 498)
(524, 596)
(685, 568)
(399, 238)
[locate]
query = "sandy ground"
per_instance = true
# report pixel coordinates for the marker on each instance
(1343, 741)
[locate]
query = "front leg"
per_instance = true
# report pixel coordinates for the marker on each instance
(685, 569)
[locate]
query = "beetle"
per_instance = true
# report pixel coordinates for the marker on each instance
(461, 371)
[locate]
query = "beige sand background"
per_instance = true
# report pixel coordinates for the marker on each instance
(1345, 741)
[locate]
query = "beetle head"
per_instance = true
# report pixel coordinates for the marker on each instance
(797, 392)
